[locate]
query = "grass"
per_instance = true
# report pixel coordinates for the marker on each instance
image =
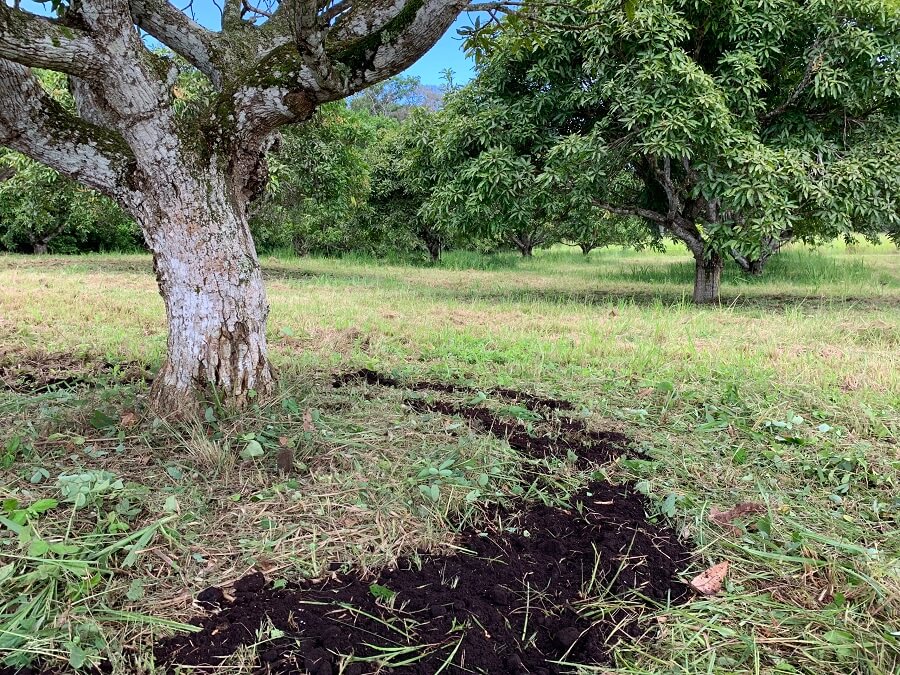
(787, 395)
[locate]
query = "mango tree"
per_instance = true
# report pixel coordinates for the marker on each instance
(187, 173)
(730, 124)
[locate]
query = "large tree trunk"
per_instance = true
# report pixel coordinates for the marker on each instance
(707, 277)
(210, 280)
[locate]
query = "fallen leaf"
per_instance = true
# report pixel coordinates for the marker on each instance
(284, 441)
(129, 419)
(308, 421)
(709, 582)
(725, 518)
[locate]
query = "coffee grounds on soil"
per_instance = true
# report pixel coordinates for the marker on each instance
(506, 603)
(568, 434)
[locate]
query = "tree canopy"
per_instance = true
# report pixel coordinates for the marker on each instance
(731, 125)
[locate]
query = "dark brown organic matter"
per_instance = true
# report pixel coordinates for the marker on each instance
(35, 372)
(516, 598)
(508, 604)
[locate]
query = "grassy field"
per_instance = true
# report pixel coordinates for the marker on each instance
(788, 395)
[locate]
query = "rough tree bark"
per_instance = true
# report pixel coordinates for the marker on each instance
(707, 278)
(188, 179)
(525, 243)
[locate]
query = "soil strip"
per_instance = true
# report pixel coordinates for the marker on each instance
(516, 598)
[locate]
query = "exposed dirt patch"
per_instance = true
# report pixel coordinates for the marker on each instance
(508, 604)
(35, 372)
(515, 599)
(569, 435)
(561, 436)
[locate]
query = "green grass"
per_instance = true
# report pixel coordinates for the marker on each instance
(788, 394)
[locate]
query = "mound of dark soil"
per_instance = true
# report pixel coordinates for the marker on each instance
(507, 604)
(512, 600)
(372, 377)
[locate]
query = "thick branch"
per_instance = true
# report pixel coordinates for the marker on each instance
(37, 126)
(307, 71)
(395, 45)
(180, 34)
(631, 211)
(38, 42)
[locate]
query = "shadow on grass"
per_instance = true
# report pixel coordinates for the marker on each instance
(673, 274)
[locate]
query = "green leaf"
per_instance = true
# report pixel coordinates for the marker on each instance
(171, 505)
(253, 449)
(135, 590)
(43, 505)
(100, 420)
(668, 505)
(382, 592)
(38, 548)
(77, 656)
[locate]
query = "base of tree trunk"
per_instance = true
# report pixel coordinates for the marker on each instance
(172, 396)
(755, 268)
(707, 279)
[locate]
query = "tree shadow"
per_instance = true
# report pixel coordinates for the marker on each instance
(641, 291)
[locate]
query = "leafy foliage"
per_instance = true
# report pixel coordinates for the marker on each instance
(41, 211)
(728, 124)
(319, 178)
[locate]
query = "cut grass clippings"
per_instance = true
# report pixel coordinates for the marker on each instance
(786, 396)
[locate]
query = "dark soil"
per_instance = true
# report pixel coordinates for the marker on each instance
(35, 372)
(513, 600)
(559, 435)
(508, 605)
(372, 377)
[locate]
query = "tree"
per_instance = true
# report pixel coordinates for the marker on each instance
(41, 211)
(591, 227)
(393, 98)
(187, 173)
(402, 175)
(732, 125)
(319, 180)
(488, 173)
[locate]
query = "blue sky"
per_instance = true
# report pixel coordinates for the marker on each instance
(447, 53)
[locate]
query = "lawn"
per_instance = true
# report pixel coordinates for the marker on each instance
(786, 396)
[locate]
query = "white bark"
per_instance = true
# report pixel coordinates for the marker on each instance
(188, 182)
(210, 280)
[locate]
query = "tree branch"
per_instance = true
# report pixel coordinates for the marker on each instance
(631, 211)
(387, 40)
(38, 42)
(34, 124)
(179, 33)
